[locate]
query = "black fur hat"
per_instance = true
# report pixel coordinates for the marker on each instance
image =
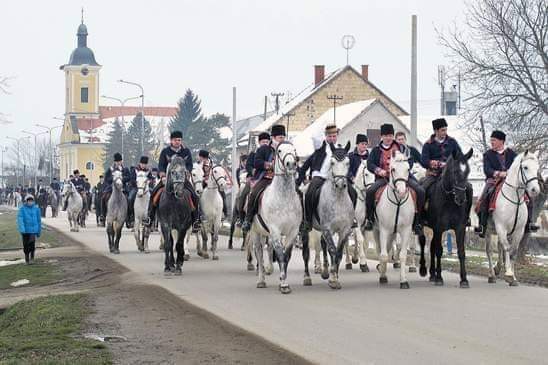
(387, 129)
(117, 157)
(277, 130)
(500, 135)
(176, 134)
(361, 138)
(144, 159)
(264, 136)
(76, 172)
(203, 153)
(439, 123)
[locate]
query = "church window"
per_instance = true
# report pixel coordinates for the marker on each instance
(84, 95)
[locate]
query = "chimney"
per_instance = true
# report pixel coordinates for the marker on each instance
(365, 72)
(319, 74)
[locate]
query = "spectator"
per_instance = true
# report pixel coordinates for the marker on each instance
(29, 224)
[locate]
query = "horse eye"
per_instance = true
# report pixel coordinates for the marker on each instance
(525, 168)
(393, 170)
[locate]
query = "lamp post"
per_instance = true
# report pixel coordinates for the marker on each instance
(122, 103)
(50, 147)
(35, 153)
(142, 112)
(3, 150)
(18, 141)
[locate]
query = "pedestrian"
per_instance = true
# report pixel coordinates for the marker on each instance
(29, 224)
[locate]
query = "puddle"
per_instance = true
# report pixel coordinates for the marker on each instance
(105, 338)
(21, 282)
(11, 262)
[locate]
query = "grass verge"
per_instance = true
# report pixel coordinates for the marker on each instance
(40, 273)
(10, 239)
(44, 330)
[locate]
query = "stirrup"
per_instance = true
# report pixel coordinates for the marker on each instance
(531, 227)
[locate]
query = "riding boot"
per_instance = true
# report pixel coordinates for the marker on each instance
(530, 226)
(369, 212)
(481, 229)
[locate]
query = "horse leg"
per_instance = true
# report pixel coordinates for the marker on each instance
(384, 239)
(343, 242)
(515, 241)
(247, 244)
(333, 250)
(395, 249)
(166, 235)
(433, 244)
(361, 236)
(348, 263)
(460, 233)
(489, 252)
(307, 281)
(438, 251)
(118, 233)
(110, 235)
(146, 234)
(325, 266)
(214, 240)
(257, 243)
(180, 248)
(357, 244)
(422, 261)
(278, 248)
(203, 232)
(232, 228)
(137, 235)
(405, 236)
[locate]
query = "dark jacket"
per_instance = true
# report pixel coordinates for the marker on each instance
(168, 152)
(78, 183)
(355, 162)
(432, 150)
(263, 154)
(133, 176)
(415, 156)
(374, 161)
(250, 163)
(107, 186)
(55, 186)
(313, 163)
(491, 162)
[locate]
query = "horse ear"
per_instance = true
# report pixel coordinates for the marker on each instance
(469, 154)
(347, 147)
(526, 153)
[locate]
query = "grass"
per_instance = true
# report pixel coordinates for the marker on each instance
(10, 239)
(40, 273)
(44, 330)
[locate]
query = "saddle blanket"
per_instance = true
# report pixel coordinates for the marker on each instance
(493, 198)
(379, 192)
(156, 198)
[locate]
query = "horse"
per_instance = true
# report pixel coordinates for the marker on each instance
(197, 175)
(449, 202)
(395, 212)
(279, 216)
(96, 205)
(510, 215)
(174, 215)
(236, 213)
(334, 215)
(140, 211)
(74, 205)
(116, 212)
(53, 202)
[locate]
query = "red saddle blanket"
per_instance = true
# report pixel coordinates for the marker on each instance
(493, 198)
(379, 192)
(156, 198)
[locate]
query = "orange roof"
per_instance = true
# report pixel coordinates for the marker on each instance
(107, 112)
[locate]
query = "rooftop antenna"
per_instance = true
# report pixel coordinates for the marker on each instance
(335, 99)
(348, 42)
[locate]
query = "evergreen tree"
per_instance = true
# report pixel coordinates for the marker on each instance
(113, 144)
(133, 140)
(189, 111)
(205, 134)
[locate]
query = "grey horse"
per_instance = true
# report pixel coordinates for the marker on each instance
(116, 213)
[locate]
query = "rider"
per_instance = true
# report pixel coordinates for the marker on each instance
(207, 165)
(264, 140)
(243, 161)
(264, 172)
(132, 185)
(153, 177)
(78, 183)
(359, 154)
(378, 163)
(176, 147)
(118, 165)
(319, 164)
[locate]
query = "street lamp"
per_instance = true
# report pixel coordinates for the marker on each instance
(122, 103)
(18, 141)
(142, 112)
(35, 153)
(50, 147)
(3, 150)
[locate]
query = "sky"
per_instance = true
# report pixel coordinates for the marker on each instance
(210, 46)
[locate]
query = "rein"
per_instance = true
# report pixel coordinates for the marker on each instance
(397, 202)
(454, 189)
(212, 176)
(282, 166)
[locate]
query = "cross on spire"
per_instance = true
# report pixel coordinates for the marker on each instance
(82, 15)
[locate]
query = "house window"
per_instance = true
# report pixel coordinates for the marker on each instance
(374, 136)
(84, 95)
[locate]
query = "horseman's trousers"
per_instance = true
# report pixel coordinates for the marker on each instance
(242, 199)
(379, 183)
(311, 203)
(253, 202)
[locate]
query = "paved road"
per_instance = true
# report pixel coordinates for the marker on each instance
(363, 322)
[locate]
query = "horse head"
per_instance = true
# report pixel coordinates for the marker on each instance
(243, 178)
(364, 177)
(176, 175)
(339, 165)
(528, 173)
(399, 172)
(117, 180)
(198, 177)
(286, 159)
(455, 176)
(142, 183)
(218, 176)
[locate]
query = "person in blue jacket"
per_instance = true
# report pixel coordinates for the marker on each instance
(29, 224)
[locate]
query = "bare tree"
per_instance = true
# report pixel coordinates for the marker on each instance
(501, 54)
(4, 89)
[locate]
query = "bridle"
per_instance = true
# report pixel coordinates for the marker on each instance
(454, 189)
(144, 188)
(178, 180)
(216, 179)
(398, 202)
(281, 159)
(361, 196)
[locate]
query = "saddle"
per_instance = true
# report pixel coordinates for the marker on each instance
(492, 197)
(156, 198)
(379, 192)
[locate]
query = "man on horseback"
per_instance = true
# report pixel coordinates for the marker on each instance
(359, 154)
(118, 165)
(496, 162)
(264, 140)
(319, 164)
(141, 166)
(78, 183)
(175, 147)
(207, 165)
(243, 161)
(264, 172)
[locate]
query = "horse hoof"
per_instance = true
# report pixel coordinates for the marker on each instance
(325, 275)
(333, 285)
(348, 266)
(116, 252)
(492, 280)
(230, 246)
(383, 280)
(509, 278)
(355, 260)
(261, 285)
(269, 271)
(307, 281)
(463, 284)
(404, 285)
(250, 267)
(215, 258)
(178, 272)
(186, 257)
(396, 265)
(242, 248)
(378, 267)
(285, 289)
(432, 279)
(497, 271)
(317, 270)
(438, 282)
(167, 272)
(514, 283)
(205, 256)
(146, 251)
(412, 269)
(364, 268)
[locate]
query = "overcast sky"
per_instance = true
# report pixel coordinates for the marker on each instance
(210, 46)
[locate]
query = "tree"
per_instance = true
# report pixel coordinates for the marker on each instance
(501, 55)
(134, 135)
(4, 89)
(189, 111)
(113, 144)
(206, 134)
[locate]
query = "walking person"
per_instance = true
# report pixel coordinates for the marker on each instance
(29, 224)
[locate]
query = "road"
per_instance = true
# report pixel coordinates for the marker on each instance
(362, 323)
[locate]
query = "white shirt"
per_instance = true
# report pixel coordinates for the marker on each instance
(324, 170)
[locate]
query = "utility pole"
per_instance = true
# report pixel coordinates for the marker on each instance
(483, 137)
(50, 147)
(142, 112)
(265, 103)
(35, 153)
(441, 82)
(414, 81)
(18, 141)
(3, 150)
(288, 115)
(335, 99)
(234, 141)
(277, 101)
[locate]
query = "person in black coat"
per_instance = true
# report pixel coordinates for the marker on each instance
(118, 165)
(243, 161)
(264, 140)
(359, 154)
(132, 187)
(264, 172)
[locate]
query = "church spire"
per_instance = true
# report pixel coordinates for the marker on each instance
(82, 33)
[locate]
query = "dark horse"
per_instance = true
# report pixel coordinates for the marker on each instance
(450, 200)
(174, 214)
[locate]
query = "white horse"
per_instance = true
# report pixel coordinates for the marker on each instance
(510, 214)
(140, 209)
(279, 216)
(395, 211)
(74, 205)
(116, 212)
(197, 174)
